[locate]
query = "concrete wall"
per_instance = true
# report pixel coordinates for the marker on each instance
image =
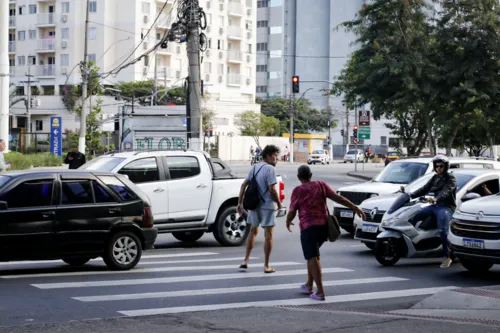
(237, 148)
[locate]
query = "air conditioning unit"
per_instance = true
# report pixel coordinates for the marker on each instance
(249, 12)
(208, 53)
(64, 44)
(221, 7)
(64, 18)
(178, 74)
(209, 29)
(249, 34)
(221, 55)
(221, 31)
(220, 78)
(64, 70)
(145, 45)
(145, 71)
(249, 58)
(207, 77)
(249, 81)
(146, 19)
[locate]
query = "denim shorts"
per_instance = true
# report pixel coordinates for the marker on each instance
(261, 216)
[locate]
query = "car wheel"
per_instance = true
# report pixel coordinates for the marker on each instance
(76, 261)
(309, 163)
(476, 266)
(188, 236)
(123, 251)
(386, 255)
(231, 228)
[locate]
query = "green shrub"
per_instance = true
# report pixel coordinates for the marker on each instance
(25, 161)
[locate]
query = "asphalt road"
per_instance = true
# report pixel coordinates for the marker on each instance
(180, 278)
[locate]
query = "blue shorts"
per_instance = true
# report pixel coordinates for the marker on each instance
(261, 216)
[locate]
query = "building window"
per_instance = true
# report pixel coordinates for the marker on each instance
(158, 36)
(92, 32)
(261, 68)
(208, 68)
(262, 3)
(21, 60)
(39, 125)
(249, 48)
(32, 34)
(146, 60)
(32, 9)
(383, 140)
(220, 69)
(209, 45)
(93, 6)
(220, 44)
(21, 35)
(92, 57)
(65, 7)
(12, 62)
(65, 33)
(249, 25)
(262, 24)
(262, 89)
(21, 10)
(64, 59)
(31, 60)
(221, 21)
(261, 46)
(146, 8)
(249, 3)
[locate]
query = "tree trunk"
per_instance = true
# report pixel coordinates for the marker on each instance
(430, 135)
(449, 143)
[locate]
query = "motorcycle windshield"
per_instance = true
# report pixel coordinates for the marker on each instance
(400, 202)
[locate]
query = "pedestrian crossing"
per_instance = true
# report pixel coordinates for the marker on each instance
(199, 281)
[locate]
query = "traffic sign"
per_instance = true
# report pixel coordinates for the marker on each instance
(364, 118)
(56, 135)
(364, 132)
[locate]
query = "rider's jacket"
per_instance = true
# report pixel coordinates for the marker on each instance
(444, 189)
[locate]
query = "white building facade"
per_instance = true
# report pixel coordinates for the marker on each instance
(46, 41)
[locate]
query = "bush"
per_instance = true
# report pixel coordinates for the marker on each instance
(25, 161)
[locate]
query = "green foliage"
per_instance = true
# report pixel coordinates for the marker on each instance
(25, 161)
(306, 119)
(143, 90)
(72, 95)
(207, 117)
(254, 124)
(93, 128)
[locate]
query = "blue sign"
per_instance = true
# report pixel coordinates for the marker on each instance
(184, 122)
(56, 136)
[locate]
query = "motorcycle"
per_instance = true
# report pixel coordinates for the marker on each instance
(403, 236)
(257, 158)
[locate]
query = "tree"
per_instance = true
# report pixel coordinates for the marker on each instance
(93, 127)
(307, 119)
(391, 70)
(71, 95)
(254, 124)
(207, 117)
(143, 90)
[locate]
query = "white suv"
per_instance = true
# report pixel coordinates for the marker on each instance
(475, 233)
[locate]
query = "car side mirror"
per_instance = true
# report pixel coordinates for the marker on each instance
(402, 189)
(3, 205)
(470, 196)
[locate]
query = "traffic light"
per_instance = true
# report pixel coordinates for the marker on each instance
(342, 132)
(295, 84)
(355, 131)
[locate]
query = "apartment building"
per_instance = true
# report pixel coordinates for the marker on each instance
(46, 40)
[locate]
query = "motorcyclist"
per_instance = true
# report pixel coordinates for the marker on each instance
(444, 187)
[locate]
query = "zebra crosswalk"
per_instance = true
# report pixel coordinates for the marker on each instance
(198, 281)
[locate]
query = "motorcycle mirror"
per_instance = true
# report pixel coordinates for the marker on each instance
(402, 189)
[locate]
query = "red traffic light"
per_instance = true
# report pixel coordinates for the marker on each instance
(355, 127)
(295, 79)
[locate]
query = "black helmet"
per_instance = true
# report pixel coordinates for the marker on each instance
(443, 159)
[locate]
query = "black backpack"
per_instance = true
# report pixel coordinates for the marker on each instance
(252, 195)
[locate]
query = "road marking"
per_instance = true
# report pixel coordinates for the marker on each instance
(174, 255)
(233, 290)
(295, 302)
(194, 278)
(192, 261)
(139, 270)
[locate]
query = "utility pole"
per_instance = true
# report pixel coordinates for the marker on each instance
(194, 134)
(4, 73)
(85, 78)
(330, 120)
(292, 115)
(348, 136)
(155, 82)
(28, 106)
(355, 139)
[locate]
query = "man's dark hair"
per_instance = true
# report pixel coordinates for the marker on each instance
(269, 150)
(304, 172)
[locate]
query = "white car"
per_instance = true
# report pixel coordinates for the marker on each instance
(354, 154)
(190, 193)
(468, 180)
(390, 179)
(319, 156)
(475, 234)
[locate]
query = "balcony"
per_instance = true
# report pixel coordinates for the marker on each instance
(46, 19)
(169, 50)
(234, 56)
(12, 47)
(46, 71)
(235, 8)
(234, 79)
(12, 70)
(46, 45)
(12, 22)
(234, 32)
(164, 72)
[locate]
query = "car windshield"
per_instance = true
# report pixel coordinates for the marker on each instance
(402, 172)
(3, 180)
(103, 163)
(351, 152)
(317, 152)
(462, 180)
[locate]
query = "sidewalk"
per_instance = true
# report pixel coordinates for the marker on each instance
(369, 172)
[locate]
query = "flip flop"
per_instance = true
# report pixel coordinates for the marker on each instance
(305, 290)
(269, 271)
(316, 297)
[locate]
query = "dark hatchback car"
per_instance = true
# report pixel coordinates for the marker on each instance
(74, 216)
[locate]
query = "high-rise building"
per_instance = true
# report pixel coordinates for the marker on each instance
(46, 40)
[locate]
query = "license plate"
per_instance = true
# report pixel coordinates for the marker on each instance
(346, 213)
(473, 243)
(372, 228)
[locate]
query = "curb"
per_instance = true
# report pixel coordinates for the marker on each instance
(357, 175)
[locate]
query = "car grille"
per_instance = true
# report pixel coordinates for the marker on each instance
(479, 230)
(355, 197)
(343, 221)
(376, 219)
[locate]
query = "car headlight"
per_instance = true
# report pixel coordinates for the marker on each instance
(373, 195)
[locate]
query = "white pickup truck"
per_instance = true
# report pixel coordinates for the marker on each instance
(190, 192)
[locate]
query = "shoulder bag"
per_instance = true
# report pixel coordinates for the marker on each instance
(331, 220)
